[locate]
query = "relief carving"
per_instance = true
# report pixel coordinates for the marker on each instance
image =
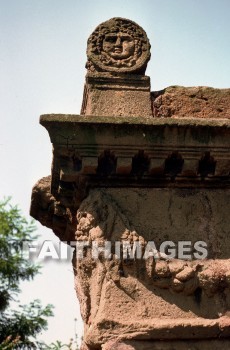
(118, 45)
(99, 219)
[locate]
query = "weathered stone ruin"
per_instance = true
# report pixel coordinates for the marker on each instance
(148, 171)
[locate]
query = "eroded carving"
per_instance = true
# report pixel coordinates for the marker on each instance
(118, 45)
(51, 212)
(103, 281)
(99, 219)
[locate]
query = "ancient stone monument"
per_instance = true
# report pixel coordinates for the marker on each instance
(150, 172)
(118, 52)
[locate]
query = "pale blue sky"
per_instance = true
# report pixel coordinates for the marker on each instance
(42, 59)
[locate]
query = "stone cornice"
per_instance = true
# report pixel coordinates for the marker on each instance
(133, 151)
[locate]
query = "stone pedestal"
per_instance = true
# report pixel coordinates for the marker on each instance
(109, 95)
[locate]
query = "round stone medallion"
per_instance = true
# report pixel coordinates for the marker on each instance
(118, 45)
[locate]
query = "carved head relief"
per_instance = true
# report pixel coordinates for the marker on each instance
(118, 45)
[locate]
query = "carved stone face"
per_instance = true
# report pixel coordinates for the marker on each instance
(118, 45)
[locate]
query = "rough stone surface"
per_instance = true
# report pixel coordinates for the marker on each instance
(141, 299)
(191, 102)
(167, 299)
(147, 299)
(172, 345)
(123, 95)
(50, 212)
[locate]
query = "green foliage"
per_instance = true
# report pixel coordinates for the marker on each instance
(14, 229)
(17, 326)
(72, 345)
